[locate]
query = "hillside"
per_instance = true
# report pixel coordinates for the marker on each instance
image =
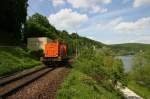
(129, 48)
(14, 59)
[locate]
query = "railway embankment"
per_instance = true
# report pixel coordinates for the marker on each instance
(15, 59)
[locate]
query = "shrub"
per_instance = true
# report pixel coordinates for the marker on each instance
(36, 54)
(100, 63)
(141, 69)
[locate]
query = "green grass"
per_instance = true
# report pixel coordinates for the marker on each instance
(139, 89)
(92, 76)
(81, 86)
(14, 59)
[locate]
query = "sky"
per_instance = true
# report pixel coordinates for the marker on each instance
(107, 21)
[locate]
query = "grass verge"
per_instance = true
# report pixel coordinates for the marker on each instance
(81, 86)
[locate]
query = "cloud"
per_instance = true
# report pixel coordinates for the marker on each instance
(92, 5)
(118, 25)
(97, 9)
(41, 0)
(101, 27)
(142, 39)
(58, 2)
(138, 3)
(125, 1)
(67, 19)
(87, 3)
(119, 31)
(140, 25)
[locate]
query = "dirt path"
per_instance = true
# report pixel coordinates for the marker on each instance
(43, 88)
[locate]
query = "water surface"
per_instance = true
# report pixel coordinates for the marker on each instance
(127, 62)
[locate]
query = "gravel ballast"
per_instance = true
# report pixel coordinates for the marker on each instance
(42, 88)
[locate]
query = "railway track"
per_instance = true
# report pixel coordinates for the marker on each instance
(11, 84)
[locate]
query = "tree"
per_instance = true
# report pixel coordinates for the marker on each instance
(118, 73)
(40, 19)
(38, 26)
(12, 18)
(74, 35)
(141, 68)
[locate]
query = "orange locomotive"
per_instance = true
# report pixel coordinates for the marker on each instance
(55, 52)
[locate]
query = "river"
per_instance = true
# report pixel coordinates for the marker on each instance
(127, 62)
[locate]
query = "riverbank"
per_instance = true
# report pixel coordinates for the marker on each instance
(139, 89)
(128, 93)
(133, 75)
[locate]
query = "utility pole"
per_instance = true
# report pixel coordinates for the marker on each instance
(76, 42)
(76, 45)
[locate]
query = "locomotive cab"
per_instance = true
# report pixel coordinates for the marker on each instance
(55, 53)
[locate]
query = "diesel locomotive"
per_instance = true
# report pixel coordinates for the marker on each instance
(55, 52)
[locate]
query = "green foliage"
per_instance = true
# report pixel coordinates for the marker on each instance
(139, 75)
(99, 62)
(94, 76)
(39, 19)
(36, 54)
(139, 89)
(141, 68)
(81, 86)
(13, 16)
(39, 26)
(13, 59)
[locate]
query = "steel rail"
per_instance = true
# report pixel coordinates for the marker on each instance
(15, 83)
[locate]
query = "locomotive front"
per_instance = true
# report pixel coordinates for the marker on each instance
(55, 52)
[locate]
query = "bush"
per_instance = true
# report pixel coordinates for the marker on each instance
(139, 79)
(36, 54)
(100, 65)
(141, 69)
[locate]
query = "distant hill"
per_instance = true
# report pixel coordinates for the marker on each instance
(129, 48)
